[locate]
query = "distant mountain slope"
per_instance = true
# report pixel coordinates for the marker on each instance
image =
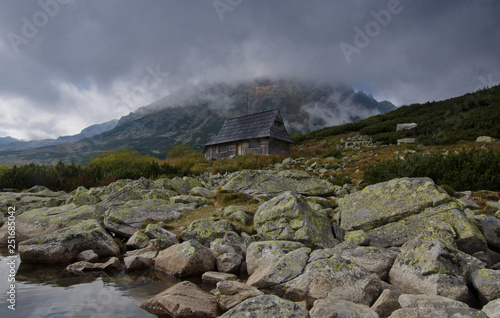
(444, 122)
(12, 144)
(193, 116)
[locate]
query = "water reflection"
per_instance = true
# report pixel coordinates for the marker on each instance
(43, 291)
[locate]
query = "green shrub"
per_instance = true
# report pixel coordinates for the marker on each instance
(340, 179)
(466, 170)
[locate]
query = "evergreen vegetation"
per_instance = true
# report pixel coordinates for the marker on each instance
(444, 122)
(465, 170)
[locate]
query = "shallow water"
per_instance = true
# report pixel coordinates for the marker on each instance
(43, 291)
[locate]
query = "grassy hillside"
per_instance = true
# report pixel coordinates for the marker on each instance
(439, 123)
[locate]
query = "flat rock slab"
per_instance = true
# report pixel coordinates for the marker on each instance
(230, 293)
(267, 306)
(183, 300)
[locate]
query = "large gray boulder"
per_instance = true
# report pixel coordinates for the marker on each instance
(185, 259)
(64, 245)
(329, 275)
(424, 312)
(207, 230)
(433, 268)
(340, 308)
(432, 301)
(262, 254)
(230, 293)
(491, 230)
(394, 212)
(487, 283)
(289, 217)
(275, 182)
(160, 237)
(267, 306)
(183, 300)
(492, 309)
(125, 219)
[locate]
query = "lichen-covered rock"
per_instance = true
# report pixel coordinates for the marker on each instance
(185, 259)
(267, 306)
(389, 202)
(199, 191)
(289, 217)
(159, 194)
(327, 275)
(183, 300)
(206, 230)
(230, 243)
(160, 237)
(190, 199)
(138, 240)
(126, 219)
(83, 196)
(215, 277)
(487, 283)
(282, 269)
(64, 245)
(240, 214)
(61, 216)
(358, 237)
(376, 260)
(275, 182)
(340, 308)
(229, 263)
(432, 268)
(181, 185)
(230, 293)
(261, 254)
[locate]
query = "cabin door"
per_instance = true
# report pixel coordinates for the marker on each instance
(238, 151)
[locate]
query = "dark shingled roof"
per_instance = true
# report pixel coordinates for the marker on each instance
(258, 125)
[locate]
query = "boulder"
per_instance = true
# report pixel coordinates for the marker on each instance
(261, 254)
(289, 217)
(386, 303)
(432, 268)
(282, 269)
(275, 182)
(197, 201)
(83, 196)
(87, 256)
(64, 245)
(83, 266)
(491, 231)
(486, 139)
(376, 260)
(183, 300)
(199, 191)
(357, 238)
(230, 293)
(241, 214)
(159, 194)
(487, 283)
(138, 240)
(126, 219)
(425, 312)
(207, 230)
(432, 301)
(185, 259)
(160, 237)
(492, 309)
(138, 262)
(329, 275)
(229, 263)
(389, 202)
(340, 308)
(267, 306)
(180, 185)
(215, 277)
(230, 243)
(60, 216)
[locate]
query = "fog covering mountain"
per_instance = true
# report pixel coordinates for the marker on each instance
(194, 115)
(12, 144)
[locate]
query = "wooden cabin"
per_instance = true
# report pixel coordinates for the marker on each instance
(261, 133)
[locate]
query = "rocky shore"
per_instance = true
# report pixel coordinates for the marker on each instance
(403, 248)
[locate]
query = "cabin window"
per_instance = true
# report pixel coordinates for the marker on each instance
(223, 149)
(279, 125)
(254, 144)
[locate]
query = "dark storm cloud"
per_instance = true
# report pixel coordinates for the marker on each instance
(91, 61)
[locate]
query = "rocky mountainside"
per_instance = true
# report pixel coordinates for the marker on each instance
(298, 246)
(193, 116)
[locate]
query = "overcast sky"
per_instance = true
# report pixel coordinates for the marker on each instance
(67, 64)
